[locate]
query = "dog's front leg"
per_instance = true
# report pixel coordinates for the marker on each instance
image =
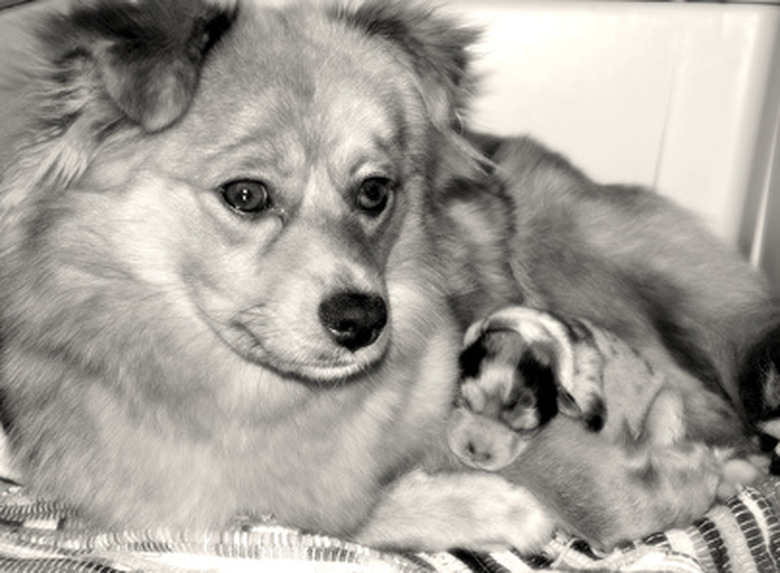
(474, 510)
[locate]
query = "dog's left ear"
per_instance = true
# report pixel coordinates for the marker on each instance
(147, 53)
(436, 46)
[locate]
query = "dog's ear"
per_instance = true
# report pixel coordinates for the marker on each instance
(436, 46)
(144, 54)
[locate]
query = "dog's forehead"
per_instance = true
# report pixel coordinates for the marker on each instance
(304, 66)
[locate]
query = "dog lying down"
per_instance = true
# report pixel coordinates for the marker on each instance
(239, 248)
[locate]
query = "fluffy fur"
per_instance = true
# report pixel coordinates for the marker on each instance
(200, 201)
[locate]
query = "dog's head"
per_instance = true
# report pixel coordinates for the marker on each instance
(260, 173)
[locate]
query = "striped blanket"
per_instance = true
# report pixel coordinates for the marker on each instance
(740, 536)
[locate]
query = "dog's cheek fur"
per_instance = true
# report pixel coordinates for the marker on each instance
(71, 283)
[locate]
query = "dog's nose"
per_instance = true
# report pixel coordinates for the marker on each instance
(353, 319)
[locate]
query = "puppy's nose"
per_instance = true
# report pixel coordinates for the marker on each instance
(353, 319)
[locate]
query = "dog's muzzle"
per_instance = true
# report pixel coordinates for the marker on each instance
(353, 319)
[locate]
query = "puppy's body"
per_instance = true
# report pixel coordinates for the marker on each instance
(522, 367)
(238, 251)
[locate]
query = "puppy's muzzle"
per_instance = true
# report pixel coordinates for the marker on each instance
(353, 319)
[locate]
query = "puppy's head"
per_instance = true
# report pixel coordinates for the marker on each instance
(247, 176)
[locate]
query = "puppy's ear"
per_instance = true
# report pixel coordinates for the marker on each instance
(436, 46)
(144, 54)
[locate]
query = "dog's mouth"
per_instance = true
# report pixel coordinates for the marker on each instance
(330, 367)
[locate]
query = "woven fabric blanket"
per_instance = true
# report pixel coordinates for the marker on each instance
(742, 535)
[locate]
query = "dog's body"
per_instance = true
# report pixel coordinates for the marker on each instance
(239, 250)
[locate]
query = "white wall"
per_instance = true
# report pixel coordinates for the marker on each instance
(681, 97)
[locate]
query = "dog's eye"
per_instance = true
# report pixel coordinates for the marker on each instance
(374, 194)
(246, 195)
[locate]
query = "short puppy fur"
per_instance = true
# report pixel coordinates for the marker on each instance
(521, 367)
(239, 246)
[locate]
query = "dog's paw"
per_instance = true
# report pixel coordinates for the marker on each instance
(739, 472)
(474, 511)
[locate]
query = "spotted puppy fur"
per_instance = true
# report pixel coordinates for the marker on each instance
(522, 367)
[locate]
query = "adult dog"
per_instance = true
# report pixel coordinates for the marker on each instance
(239, 249)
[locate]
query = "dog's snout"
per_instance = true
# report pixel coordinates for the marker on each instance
(353, 319)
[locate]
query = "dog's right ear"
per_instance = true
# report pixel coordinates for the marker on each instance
(436, 46)
(145, 55)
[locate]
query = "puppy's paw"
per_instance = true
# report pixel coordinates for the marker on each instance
(681, 480)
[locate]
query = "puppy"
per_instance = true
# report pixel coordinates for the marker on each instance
(240, 246)
(521, 367)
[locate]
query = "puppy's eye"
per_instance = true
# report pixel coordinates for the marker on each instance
(246, 196)
(374, 194)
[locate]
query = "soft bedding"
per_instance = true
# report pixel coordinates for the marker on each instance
(36, 535)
